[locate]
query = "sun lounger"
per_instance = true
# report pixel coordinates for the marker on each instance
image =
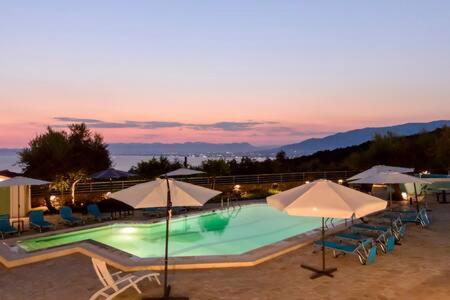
(37, 221)
(395, 228)
(94, 211)
(365, 250)
(154, 212)
(384, 240)
(6, 228)
(179, 210)
(67, 217)
(420, 217)
(116, 283)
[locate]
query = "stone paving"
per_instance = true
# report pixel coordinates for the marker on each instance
(418, 269)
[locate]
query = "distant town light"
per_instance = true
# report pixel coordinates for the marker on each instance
(404, 196)
(307, 181)
(340, 181)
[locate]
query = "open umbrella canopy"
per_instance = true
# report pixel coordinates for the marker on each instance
(324, 198)
(183, 172)
(154, 194)
(380, 169)
(9, 174)
(390, 178)
(111, 173)
(20, 180)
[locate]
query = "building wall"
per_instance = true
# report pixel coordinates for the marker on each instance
(4, 201)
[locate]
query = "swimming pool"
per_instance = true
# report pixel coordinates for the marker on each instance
(231, 231)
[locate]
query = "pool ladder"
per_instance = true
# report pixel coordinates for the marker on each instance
(229, 202)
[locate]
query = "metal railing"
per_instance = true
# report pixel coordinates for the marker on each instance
(212, 181)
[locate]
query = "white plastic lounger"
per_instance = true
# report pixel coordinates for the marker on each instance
(114, 284)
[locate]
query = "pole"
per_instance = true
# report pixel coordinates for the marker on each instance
(390, 195)
(323, 245)
(417, 198)
(18, 208)
(166, 255)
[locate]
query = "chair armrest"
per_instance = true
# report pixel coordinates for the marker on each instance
(116, 274)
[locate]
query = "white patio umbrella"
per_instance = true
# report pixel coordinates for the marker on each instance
(165, 193)
(325, 199)
(183, 172)
(390, 178)
(380, 169)
(20, 181)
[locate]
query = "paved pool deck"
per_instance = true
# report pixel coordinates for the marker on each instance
(418, 269)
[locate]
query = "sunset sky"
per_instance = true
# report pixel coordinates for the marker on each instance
(264, 72)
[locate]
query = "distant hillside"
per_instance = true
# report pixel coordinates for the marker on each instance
(356, 137)
(9, 151)
(179, 148)
(422, 151)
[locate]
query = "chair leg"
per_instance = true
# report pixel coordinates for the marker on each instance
(156, 277)
(136, 287)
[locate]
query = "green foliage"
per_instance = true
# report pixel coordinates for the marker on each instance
(218, 167)
(58, 153)
(154, 167)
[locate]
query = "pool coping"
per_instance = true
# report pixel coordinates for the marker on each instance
(12, 256)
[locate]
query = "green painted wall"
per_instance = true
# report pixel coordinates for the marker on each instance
(4, 201)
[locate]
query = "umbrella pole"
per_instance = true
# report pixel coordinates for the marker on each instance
(323, 245)
(390, 196)
(417, 198)
(18, 208)
(166, 255)
(324, 271)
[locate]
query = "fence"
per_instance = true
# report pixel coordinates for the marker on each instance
(107, 186)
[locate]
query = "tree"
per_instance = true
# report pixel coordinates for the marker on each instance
(73, 178)
(62, 156)
(154, 167)
(216, 167)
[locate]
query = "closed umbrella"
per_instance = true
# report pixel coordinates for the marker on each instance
(393, 178)
(165, 193)
(380, 169)
(325, 199)
(21, 181)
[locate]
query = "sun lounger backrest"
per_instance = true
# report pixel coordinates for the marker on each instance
(36, 216)
(424, 217)
(4, 223)
(103, 273)
(66, 212)
(93, 210)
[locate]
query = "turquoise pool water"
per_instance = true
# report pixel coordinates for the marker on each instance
(223, 232)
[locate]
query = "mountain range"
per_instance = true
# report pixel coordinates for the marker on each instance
(355, 137)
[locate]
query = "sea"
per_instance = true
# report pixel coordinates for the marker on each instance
(125, 162)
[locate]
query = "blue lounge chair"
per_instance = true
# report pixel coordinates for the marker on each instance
(384, 240)
(5, 227)
(154, 211)
(94, 211)
(37, 221)
(67, 217)
(397, 229)
(420, 217)
(178, 210)
(365, 250)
